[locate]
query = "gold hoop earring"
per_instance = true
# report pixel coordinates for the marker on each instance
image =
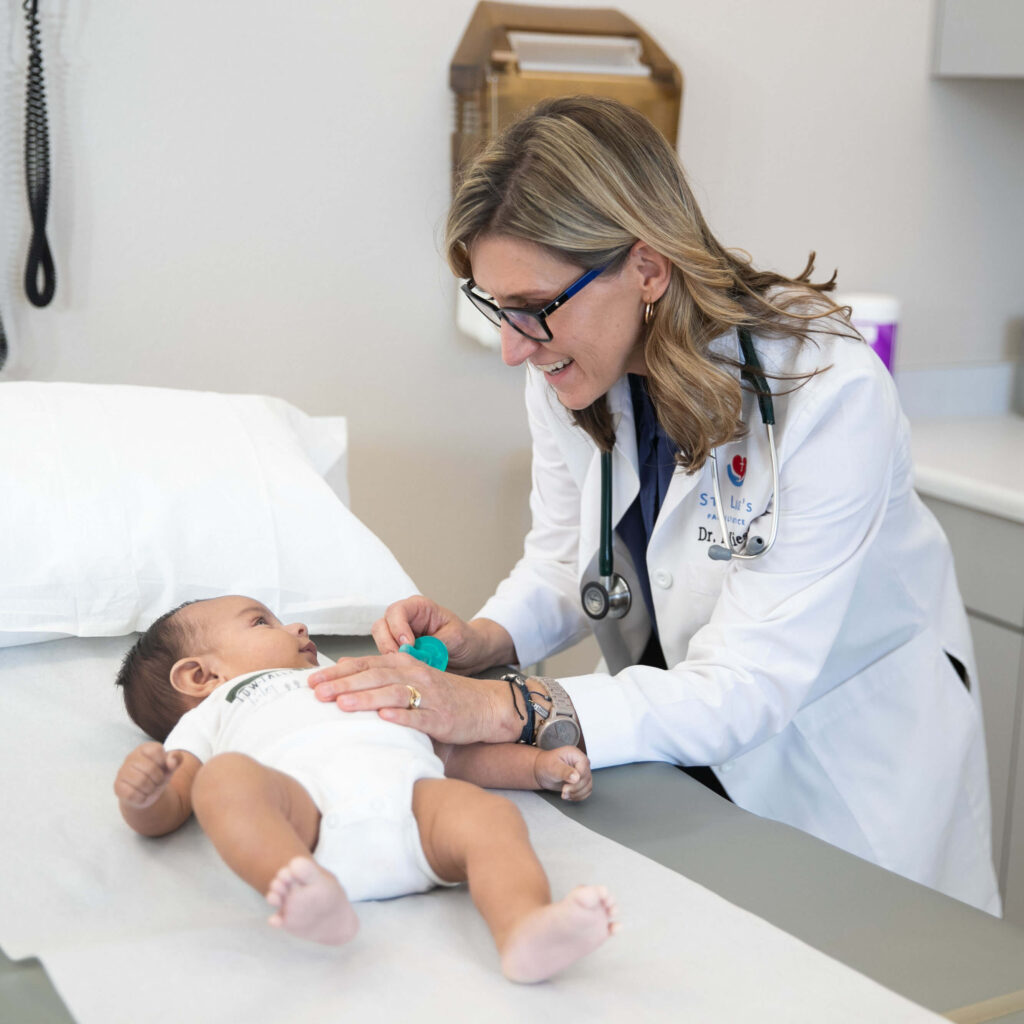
(648, 313)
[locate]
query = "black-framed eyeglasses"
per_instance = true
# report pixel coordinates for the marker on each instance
(532, 323)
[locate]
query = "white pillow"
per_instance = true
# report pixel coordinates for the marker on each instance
(118, 503)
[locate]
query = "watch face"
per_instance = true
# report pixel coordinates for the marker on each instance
(562, 732)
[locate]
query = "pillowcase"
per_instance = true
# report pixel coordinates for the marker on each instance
(118, 503)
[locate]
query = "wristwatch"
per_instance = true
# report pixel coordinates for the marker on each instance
(557, 726)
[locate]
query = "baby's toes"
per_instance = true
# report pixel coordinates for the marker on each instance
(589, 896)
(302, 870)
(277, 892)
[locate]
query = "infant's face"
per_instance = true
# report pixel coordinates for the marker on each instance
(243, 635)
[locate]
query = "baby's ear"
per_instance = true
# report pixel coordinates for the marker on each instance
(193, 677)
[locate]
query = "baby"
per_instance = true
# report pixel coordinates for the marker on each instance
(317, 808)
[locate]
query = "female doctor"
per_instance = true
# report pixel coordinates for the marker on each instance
(777, 610)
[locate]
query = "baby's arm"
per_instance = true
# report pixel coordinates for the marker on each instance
(518, 766)
(154, 788)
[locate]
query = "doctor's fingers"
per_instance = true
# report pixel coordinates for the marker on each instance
(379, 686)
(390, 633)
(387, 642)
(350, 674)
(408, 619)
(385, 697)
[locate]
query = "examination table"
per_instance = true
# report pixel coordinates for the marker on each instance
(937, 952)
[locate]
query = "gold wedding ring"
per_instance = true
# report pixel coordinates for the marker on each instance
(414, 698)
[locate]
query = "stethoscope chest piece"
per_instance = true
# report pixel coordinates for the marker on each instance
(608, 597)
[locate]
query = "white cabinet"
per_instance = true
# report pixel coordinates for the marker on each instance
(999, 652)
(989, 554)
(979, 38)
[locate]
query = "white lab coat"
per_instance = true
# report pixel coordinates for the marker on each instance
(814, 680)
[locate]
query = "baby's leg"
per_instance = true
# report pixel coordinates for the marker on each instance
(469, 834)
(264, 825)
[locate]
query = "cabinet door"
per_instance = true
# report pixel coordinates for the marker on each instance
(1013, 899)
(998, 651)
(989, 555)
(979, 38)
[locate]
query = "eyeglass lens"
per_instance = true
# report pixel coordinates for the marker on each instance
(484, 306)
(525, 323)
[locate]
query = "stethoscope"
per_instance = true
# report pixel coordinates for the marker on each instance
(610, 595)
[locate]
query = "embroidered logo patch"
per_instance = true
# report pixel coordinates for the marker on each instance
(737, 470)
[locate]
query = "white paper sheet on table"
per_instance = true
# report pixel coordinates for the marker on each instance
(160, 930)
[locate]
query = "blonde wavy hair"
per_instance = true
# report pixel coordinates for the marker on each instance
(585, 178)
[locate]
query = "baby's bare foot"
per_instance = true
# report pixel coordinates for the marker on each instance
(553, 937)
(311, 903)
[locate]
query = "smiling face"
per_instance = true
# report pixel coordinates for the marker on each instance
(596, 335)
(238, 635)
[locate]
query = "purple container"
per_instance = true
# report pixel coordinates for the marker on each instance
(877, 318)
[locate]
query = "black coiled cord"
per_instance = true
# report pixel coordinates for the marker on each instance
(37, 168)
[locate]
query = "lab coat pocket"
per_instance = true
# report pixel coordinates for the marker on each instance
(706, 578)
(684, 601)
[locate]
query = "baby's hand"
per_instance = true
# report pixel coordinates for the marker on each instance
(567, 769)
(145, 774)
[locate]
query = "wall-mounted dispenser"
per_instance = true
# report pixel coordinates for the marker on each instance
(513, 55)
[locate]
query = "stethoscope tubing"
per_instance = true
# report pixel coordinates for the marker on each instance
(753, 375)
(604, 558)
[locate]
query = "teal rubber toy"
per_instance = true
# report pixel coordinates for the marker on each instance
(429, 650)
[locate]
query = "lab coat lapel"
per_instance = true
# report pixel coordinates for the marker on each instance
(681, 484)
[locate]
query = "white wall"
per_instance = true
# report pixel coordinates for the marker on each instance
(248, 197)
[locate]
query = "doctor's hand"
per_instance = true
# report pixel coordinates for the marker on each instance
(472, 646)
(402, 689)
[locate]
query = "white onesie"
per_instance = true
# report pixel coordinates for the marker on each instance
(358, 769)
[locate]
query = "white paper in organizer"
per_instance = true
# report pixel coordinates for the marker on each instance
(159, 930)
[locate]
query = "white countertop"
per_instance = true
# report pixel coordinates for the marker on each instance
(975, 462)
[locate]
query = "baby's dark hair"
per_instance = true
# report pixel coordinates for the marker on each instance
(145, 674)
